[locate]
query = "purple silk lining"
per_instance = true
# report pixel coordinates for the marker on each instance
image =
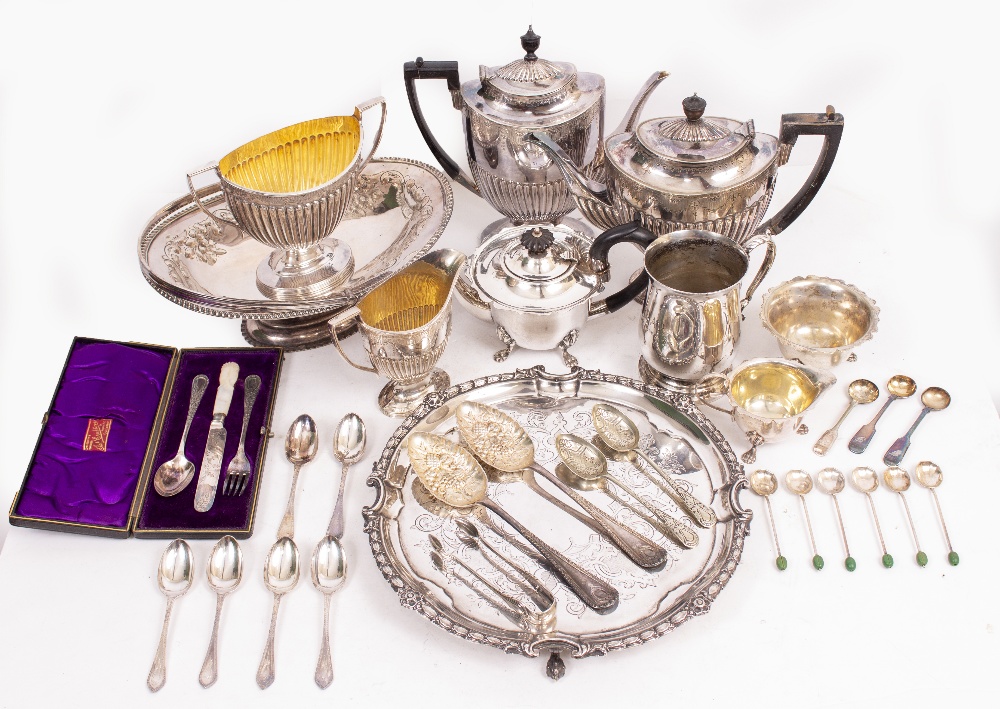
(124, 383)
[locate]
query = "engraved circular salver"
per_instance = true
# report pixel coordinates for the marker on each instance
(672, 431)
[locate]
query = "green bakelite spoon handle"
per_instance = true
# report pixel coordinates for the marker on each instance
(887, 561)
(921, 558)
(782, 563)
(953, 558)
(818, 562)
(850, 564)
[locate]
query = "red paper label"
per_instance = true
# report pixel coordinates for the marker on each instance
(96, 437)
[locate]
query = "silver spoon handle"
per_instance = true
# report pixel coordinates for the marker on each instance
(198, 386)
(265, 671)
(324, 666)
(287, 526)
(701, 513)
(878, 527)
(521, 578)
(515, 618)
(512, 605)
(210, 667)
(861, 439)
(941, 517)
(774, 529)
(596, 593)
(686, 536)
(898, 449)
(336, 528)
(251, 385)
(158, 672)
(809, 526)
(840, 519)
(830, 436)
(909, 518)
(642, 551)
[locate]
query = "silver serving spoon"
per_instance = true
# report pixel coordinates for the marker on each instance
(301, 445)
(801, 483)
(861, 391)
(452, 475)
(899, 386)
(175, 574)
(281, 574)
(175, 474)
(764, 483)
(348, 447)
(329, 571)
(933, 399)
(225, 571)
(930, 476)
(587, 462)
(866, 481)
(898, 480)
(500, 442)
(832, 482)
(617, 432)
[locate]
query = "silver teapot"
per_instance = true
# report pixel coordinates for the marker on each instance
(500, 108)
(696, 172)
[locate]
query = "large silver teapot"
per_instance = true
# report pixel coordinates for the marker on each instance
(697, 172)
(500, 108)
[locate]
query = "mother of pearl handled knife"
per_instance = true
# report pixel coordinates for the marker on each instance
(211, 464)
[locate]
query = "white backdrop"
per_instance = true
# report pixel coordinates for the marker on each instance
(104, 107)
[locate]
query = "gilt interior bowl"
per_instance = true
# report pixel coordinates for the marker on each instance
(818, 320)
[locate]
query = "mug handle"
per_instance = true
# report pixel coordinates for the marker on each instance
(338, 320)
(359, 112)
(830, 125)
(715, 391)
(421, 69)
(631, 232)
(225, 226)
(769, 255)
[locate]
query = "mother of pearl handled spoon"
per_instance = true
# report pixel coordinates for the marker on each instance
(861, 391)
(900, 386)
(933, 399)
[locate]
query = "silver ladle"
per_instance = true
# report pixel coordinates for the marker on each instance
(861, 391)
(800, 482)
(174, 576)
(281, 574)
(898, 480)
(899, 386)
(301, 445)
(832, 482)
(329, 572)
(617, 432)
(933, 399)
(500, 442)
(175, 474)
(225, 571)
(866, 481)
(452, 475)
(764, 483)
(348, 447)
(587, 462)
(930, 476)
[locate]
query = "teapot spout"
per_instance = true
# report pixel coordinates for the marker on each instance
(631, 116)
(585, 190)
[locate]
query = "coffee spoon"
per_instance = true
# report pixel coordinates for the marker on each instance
(898, 480)
(329, 571)
(764, 484)
(348, 447)
(301, 445)
(281, 574)
(587, 462)
(933, 399)
(618, 432)
(176, 571)
(861, 391)
(930, 476)
(225, 571)
(832, 481)
(452, 475)
(800, 482)
(899, 386)
(175, 474)
(866, 481)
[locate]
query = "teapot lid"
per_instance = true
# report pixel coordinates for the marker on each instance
(534, 270)
(694, 138)
(530, 81)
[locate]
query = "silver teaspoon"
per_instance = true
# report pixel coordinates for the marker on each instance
(860, 391)
(301, 446)
(176, 571)
(175, 474)
(799, 482)
(329, 571)
(348, 447)
(225, 571)
(281, 574)
(930, 476)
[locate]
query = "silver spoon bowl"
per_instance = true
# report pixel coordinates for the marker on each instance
(329, 572)
(174, 577)
(225, 571)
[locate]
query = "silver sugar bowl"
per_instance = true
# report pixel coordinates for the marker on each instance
(499, 109)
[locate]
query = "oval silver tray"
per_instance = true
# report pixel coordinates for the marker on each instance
(652, 603)
(399, 210)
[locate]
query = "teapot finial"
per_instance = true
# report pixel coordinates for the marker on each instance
(694, 107)
(530, 43)
(537, 240)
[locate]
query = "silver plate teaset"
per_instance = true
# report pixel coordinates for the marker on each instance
(309, 237)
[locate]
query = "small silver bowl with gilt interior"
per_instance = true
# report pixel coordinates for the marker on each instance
(819, 320)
